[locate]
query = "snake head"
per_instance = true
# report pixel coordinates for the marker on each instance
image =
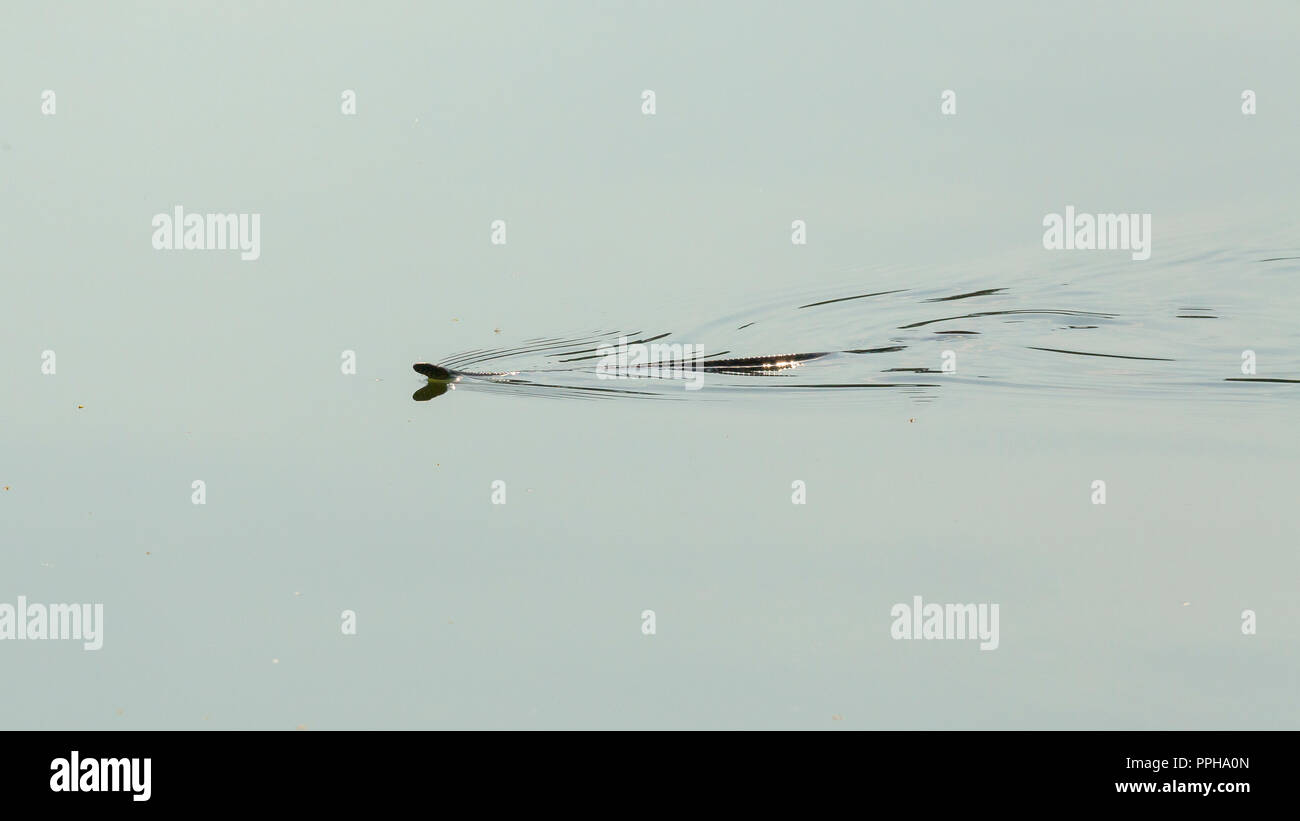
(433, 371)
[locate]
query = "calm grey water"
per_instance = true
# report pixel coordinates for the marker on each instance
(329, 491)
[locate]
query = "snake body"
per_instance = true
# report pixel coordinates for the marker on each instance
(746, 365)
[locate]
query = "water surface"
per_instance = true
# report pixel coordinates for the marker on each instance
(329, 491)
